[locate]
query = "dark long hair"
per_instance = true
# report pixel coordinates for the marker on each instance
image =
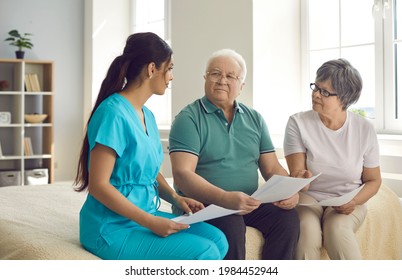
(141, 49)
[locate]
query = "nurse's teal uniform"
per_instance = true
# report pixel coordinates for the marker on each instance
(139, 155)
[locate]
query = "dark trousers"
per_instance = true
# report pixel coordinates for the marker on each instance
(280, 229)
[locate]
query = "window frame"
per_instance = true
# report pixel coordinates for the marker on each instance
(391, 125)
(384, 121)
(166, 100)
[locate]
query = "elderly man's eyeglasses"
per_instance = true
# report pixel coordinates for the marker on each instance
(322, 91)
(216, 76)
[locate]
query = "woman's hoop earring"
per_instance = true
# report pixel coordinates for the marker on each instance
(124, 83)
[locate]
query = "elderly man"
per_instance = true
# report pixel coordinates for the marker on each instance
(217, 146)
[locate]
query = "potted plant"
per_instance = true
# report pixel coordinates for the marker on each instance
(19, 40)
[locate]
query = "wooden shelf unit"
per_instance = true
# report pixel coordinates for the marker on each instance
(16, 100)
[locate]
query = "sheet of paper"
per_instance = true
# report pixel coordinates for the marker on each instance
(340, 200)
(275, 189)
(210, 212)
(280, 187)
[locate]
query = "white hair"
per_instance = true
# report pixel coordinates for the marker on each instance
(233, 54)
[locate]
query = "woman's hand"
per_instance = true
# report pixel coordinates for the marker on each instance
(164, 227)
(346, 208)
(188, 205)
(302, 174)
(288, 203)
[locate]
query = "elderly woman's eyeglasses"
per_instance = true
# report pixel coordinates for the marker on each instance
(322, 91)
(216, 76)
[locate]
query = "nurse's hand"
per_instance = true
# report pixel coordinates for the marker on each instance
(188, 205)
(164, 227)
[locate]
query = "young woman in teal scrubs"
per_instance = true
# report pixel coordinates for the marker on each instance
(119, 166)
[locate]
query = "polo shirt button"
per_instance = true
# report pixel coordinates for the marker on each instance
(226, 124)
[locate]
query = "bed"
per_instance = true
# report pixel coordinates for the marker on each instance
(41, 223)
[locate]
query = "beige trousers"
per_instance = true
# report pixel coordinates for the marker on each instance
(323, 226)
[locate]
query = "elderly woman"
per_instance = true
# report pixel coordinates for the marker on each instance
(343, 147)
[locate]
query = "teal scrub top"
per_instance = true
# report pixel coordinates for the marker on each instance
(139, 155)
(228, 153)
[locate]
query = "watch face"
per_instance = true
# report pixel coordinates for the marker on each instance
(5, 117)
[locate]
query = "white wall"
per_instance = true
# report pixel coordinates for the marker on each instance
(277, 62)
(199, 28)
(57, 26)
(107, 26)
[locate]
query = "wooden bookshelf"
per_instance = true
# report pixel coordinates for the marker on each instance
(26, 146)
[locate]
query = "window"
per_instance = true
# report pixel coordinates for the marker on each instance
(392, 13)
(369, 35)
(152, 16)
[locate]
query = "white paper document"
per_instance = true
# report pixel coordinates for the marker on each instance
(210, 212)
(281, 187)
(340, 200)
(275, 189)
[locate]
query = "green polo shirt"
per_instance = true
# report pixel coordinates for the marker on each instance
(228, 154)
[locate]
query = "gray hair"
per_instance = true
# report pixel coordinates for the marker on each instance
(233, 54)
(345, 79)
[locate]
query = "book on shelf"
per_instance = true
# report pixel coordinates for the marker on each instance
(36, 82)
(28, 146)
(32, 82)
(28, 85)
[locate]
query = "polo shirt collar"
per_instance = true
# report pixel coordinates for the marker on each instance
(211, 108)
